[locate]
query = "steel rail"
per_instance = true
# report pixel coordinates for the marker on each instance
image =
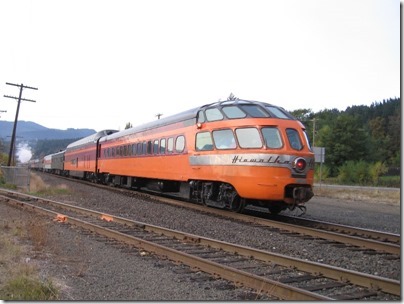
(328, 235)
(258, 283)
(334, 236)
(391, 237)
(339, 274)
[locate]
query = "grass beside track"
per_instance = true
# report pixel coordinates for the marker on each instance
(20, 279)
(369, 195)
(20, 241)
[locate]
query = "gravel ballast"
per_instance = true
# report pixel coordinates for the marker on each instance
(86, 268)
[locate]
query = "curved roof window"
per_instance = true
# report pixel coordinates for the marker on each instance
(201, 117)
(233, 112)
(213, 114)
(276, 112)
(254, 111)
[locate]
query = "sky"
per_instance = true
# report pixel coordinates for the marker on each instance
(100, 64)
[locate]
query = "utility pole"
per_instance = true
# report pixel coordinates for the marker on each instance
(314, 129)
(10, 155)
(159, 115)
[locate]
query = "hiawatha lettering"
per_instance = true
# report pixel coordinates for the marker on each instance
(268, 160)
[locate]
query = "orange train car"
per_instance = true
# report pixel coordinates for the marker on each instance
(80, 157)
(226, 154)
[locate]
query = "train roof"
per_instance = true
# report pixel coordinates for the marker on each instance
(90, 139)
(53, 154)
(190, 114)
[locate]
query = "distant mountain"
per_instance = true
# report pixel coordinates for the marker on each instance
(28, 130)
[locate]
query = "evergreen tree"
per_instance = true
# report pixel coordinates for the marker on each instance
(345, 141)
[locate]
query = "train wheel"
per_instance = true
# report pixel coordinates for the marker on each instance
(237, 204)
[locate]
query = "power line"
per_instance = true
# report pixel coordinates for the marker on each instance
(16, 114)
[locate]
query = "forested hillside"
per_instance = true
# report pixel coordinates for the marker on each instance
(360, 134)
(46, 147)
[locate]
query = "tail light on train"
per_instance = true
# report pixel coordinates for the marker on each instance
(299, 164)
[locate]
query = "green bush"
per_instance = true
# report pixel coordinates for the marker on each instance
(346, 173)
(377, 170)
(365, 174)
(321, 172)
(27, 289)
(389, 181)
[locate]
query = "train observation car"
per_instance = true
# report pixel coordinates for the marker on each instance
(80, 157)
(226, 154)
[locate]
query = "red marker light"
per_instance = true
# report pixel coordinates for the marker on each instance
(299, 164)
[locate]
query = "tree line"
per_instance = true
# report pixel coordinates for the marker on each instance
(362, 140)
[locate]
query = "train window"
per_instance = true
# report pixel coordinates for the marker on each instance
(144, 148)
(121, 151)
(180, 144)
(203, 141)
(201, 117)
(163, 146)
(139, 149)
(113, 152)
(233, 112)
(125, 150)
(272, 137)
(213, 114)
(254, 111)
(294, 139)
(277, 112)
(170, 145)
(249, 138)
(133, 149)
(224, 139)
(149, 147)
(156, 146)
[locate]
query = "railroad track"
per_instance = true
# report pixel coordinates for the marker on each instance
(363, 238)
(277, 275)
(369, 241)
(385, 237)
